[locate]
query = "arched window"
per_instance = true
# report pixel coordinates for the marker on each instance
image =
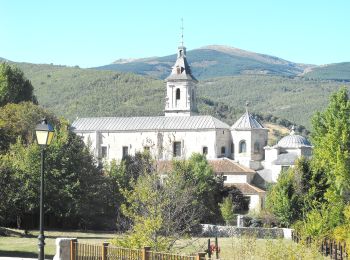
(177, 94)
(223, 150)
(256, 147)
(232, 148)
(242, 147)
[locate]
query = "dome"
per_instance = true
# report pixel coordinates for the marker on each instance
(293, 141)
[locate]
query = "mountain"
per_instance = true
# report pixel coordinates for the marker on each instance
(211, 61)
(335, 71)
(73, 92)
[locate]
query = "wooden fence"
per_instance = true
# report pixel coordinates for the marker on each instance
(82, 251)
(333, 249)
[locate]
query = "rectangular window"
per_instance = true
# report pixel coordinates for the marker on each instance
(125, 151)
(177, 149)
(205, 150)
(103, 151)
(224, 178)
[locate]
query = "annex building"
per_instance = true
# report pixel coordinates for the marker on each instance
(238, 152)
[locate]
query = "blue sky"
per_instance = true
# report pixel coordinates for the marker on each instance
(93, 33)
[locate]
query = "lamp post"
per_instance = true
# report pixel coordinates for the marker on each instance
(44, 133)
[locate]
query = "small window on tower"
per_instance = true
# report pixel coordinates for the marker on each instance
(177, 94)
(178, 70)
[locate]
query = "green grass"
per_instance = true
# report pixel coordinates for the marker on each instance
(16, 245)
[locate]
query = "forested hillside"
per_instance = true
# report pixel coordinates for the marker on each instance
(336, 71)
(73, 92)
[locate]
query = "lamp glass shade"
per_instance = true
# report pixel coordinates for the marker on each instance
(49, 139)
(42, 137)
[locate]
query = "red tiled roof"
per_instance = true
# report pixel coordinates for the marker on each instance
(228, 167)
(220, 166)
(247, 189)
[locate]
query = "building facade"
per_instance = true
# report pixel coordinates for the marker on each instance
(240, 149)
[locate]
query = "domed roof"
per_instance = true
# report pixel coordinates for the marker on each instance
(293, 141)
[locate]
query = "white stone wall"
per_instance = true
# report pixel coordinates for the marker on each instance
(223, 139)
(237, 137)
(231, 179)
(160, 143)
(255, 203)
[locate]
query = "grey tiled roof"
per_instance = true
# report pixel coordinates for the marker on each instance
(247, 121)
(148, 123)
(286, 159)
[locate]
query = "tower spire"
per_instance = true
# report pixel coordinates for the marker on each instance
(182, 32)
(246, 106)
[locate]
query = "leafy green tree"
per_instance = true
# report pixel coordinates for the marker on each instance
(197, 173)
(20, 120)
(331, 140)
(282, 199)
(75, 187)
(226, 208)
(161, 211)
(121, 177)
(14, 87)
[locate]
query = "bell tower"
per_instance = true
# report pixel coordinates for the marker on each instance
(181, 88)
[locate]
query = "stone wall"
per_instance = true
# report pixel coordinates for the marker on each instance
(233, 231)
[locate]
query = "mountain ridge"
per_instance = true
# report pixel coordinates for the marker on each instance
(211, 61)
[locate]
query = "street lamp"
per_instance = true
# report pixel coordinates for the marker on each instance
(44, 133)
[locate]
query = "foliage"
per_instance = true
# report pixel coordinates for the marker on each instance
(14, 87)
(226, 209)
(20, 120)
(331, 140)
(336, 71)
(74, 186)
(319, 222)
(122, 177)
(197, 173)
(282, 200)
(161, 212)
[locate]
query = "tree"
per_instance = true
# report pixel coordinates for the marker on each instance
(75, 188)
(197, 173)
(14, 87)
(161, 211)
(331, 140)
(282, 200)
(226, 208)
(20, 120)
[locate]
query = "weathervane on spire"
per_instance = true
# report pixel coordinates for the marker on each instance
(182, 32)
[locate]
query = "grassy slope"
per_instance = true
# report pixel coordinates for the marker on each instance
(72, 92)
